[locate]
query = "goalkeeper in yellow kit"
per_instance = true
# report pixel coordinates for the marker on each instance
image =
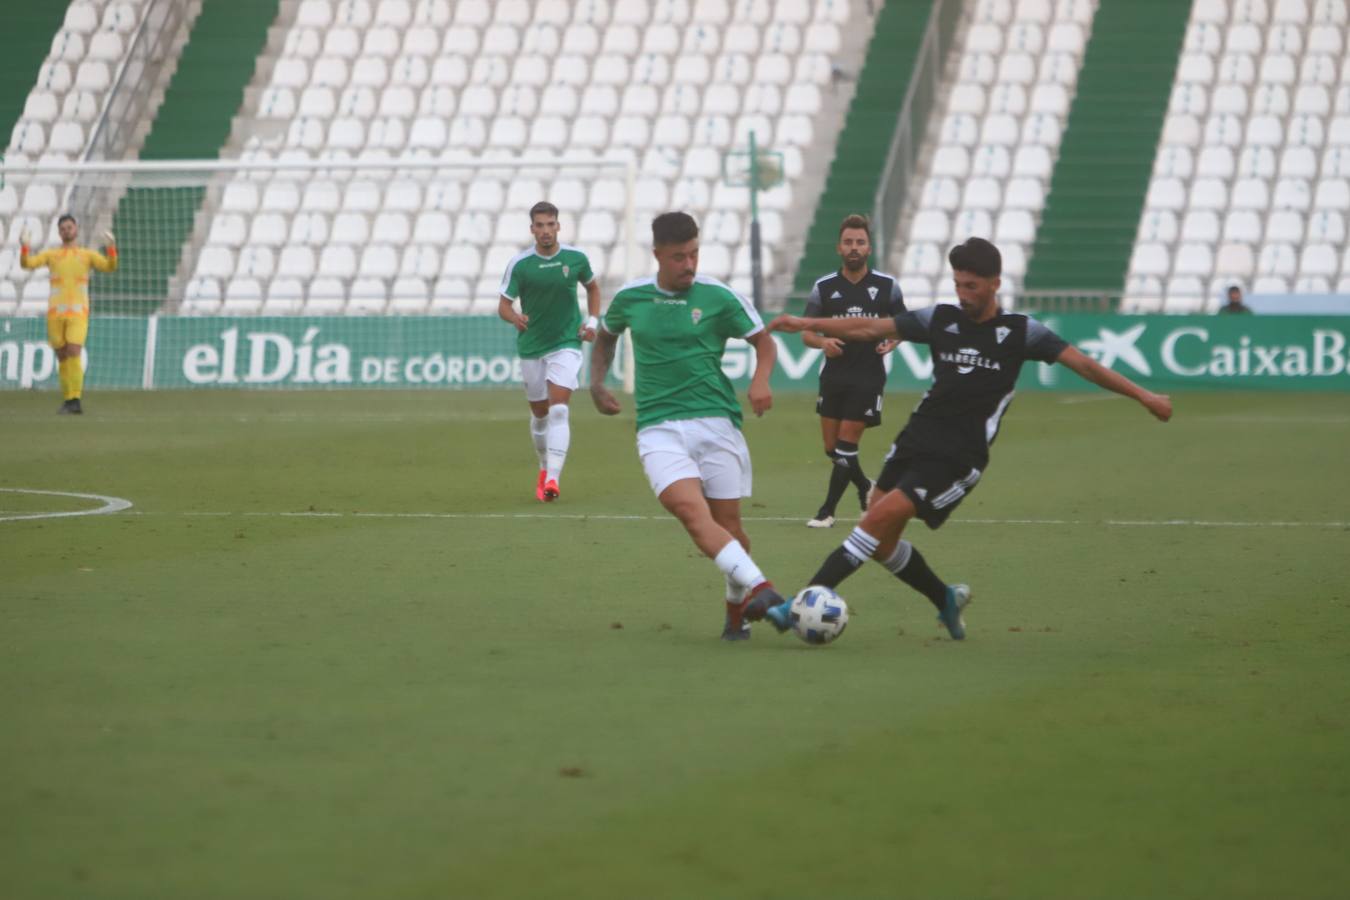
(68, 308)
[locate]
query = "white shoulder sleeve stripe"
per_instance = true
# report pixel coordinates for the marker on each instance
(745, 304)
(510, 267)
(638, 282)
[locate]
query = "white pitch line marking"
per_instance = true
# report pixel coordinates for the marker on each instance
(110, 505)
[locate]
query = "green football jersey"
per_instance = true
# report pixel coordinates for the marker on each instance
(678, 341)
(547, 289)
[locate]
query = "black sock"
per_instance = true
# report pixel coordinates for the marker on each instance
(839, 479)
(845, 560)
(848, 452)
(908, 564)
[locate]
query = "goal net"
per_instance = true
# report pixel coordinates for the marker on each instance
(303, 273)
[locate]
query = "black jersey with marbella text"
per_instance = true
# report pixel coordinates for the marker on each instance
(875, 296)
(975, 369)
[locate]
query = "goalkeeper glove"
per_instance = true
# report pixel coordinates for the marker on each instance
(26, 238)
(108, 238)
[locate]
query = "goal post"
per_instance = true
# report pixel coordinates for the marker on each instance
(392, 255)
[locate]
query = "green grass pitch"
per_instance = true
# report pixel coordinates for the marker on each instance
(336, 649)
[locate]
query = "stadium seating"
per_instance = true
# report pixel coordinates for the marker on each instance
(998, 136)
(1250, 185)
(375, 79)
(72, 85)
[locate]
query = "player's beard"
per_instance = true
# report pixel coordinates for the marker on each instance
(855, 263)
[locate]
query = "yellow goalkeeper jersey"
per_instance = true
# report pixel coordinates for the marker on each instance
(69, 267)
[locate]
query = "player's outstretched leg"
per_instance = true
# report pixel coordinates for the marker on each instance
(909, 565)
(957, 599)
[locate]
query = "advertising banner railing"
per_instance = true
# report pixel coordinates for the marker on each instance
(457, 352)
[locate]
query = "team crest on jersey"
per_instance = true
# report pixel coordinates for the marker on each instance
(1001, 332)
(872, 292)
(695, 314)
(566, 271)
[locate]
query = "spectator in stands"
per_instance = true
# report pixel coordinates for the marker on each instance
(1235, 304)
(68, 308)
(688, 418)
(544, 278)
(853, 377)
(938, 458)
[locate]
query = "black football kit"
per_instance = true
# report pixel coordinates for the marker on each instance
(939, 455)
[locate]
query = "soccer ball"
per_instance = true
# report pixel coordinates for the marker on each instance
(818, 615)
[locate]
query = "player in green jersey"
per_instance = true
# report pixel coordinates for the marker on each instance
(544, 279)
(688, 417)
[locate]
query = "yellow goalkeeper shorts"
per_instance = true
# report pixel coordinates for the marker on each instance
(62, 330)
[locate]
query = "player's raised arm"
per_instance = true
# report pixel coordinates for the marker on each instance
(602, 358)
(25, 244)
(847, 329)
(107, 260)
(1158, 405)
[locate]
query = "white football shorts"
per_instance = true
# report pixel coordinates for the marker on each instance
(561, 367)
(712, 450)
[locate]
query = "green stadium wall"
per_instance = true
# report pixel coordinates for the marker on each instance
(1297, 353)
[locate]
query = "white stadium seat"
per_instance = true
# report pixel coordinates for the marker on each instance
(1243, 226)
(378, 261)
(215, 262)
(1158, 226)
(1150, 259)
(297, 261)
(338, 261)
(81, 17)
(268, 229)
(1234, 261)
(79, 106)
(228, 230)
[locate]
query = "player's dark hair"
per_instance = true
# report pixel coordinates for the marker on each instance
(64, 217)
(1234, 287)
(543, 208)
(977, 256)
(856, 221)
(673, 228)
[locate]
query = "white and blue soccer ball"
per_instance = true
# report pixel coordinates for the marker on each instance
(818, 615)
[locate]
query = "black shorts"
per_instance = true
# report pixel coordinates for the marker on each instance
(854, 403)
(935, 485)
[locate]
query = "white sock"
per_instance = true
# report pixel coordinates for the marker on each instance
(559, 438)
(734, 591)
(897, 561)
(539, 434)
(737, 565)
